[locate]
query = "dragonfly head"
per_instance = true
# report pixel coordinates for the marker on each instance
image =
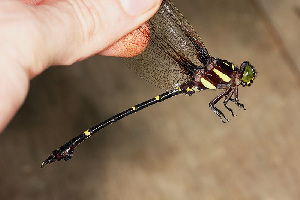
(248, 74)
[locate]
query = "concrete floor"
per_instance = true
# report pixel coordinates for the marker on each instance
(177, 149)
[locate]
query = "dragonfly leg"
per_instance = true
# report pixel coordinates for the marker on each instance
(240, 105)
(228, 97)
(236, 99)
(216, 110)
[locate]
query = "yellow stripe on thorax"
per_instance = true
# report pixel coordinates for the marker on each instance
(232, 66)
(223, 76)
(207, 84)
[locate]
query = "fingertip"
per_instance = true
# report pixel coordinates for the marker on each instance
(136, 41)
(131, 44)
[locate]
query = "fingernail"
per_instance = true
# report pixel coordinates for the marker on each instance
(137, 7)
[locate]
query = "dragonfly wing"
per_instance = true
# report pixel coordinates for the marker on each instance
(172, 39)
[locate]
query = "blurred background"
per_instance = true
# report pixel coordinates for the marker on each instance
(177, 149)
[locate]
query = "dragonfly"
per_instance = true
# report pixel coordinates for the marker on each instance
(177, 61)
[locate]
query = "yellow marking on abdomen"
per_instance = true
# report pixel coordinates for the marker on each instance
(193, 89)
(189, 89)
(133, 108)
(207, 84)
(223, 76)
(87, 133)
(157, 97)
(178, 88)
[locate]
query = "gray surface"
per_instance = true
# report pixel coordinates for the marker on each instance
(177, 149)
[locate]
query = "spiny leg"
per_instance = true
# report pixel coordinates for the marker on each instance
(219, 113)
(236, 99)
(216, 110)
(227, 98)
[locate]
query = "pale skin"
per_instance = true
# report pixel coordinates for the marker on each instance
(39, 34)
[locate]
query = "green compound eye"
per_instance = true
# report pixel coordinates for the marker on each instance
(248, 72)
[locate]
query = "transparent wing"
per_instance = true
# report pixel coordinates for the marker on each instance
(173, 42)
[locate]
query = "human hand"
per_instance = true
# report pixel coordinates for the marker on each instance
(60, 32)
